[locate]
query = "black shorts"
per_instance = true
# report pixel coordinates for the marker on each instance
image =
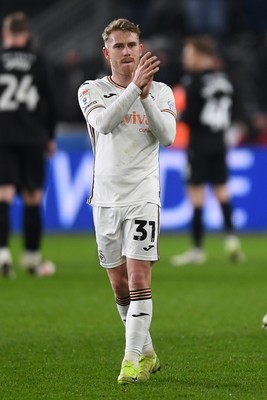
(206, 168)
(22, 166)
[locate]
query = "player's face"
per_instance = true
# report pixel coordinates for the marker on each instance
(189, 57)
(123, 50)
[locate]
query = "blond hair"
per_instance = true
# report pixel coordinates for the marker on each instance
(120, 24)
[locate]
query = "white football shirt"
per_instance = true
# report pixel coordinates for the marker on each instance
(125, 133)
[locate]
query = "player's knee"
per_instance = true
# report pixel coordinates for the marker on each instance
(139, 280)
(120, 286)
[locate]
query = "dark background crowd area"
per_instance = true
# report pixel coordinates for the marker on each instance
(69, 33)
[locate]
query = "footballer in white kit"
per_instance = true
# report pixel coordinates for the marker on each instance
(126, 169)
(128, 116)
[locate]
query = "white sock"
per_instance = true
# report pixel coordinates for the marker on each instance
(123, 307)
(148, 349)
(30, 259)
(137, 326)
(123, 310)
(5, 256)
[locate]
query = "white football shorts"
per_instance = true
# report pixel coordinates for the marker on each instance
(131, 232)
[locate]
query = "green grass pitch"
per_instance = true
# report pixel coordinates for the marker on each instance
(62, 339)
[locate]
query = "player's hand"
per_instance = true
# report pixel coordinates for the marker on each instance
(145, 70)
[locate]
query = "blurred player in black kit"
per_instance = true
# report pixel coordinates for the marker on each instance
(27, 118)
(210, 108)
